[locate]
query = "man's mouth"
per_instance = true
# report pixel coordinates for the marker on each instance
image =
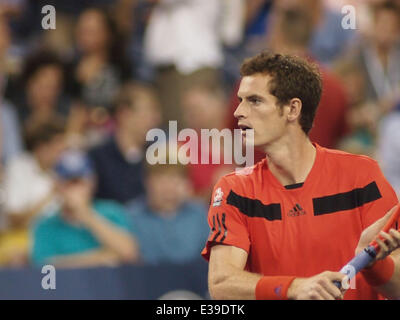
(244, 128)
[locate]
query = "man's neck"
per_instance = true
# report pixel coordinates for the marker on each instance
(126, 141)
(291, 162)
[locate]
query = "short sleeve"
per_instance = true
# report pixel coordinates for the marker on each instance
(42, 244)
(227, 225)
(383, 197)
(114, 213)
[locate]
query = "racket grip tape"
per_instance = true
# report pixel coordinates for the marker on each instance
(359, 262)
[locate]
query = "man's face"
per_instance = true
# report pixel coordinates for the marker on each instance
(45, 86)
(166, 190)
(74, 192)
(91, 33)
(387, 27)
(201, 110)
(258, 110)
(139, 119)
(51, 151)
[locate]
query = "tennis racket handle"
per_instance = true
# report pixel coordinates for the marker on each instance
(358, 263)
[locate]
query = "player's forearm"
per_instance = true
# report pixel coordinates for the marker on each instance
(391, 290)
(233, 284)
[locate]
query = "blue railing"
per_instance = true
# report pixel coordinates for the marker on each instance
(125, 282)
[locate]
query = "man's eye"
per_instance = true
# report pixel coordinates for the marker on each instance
(254, 100)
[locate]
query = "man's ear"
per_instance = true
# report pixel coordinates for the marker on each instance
(295, 106)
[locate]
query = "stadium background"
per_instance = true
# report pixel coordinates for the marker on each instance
(169, 60)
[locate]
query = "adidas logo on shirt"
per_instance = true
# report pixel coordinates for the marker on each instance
(296, 211)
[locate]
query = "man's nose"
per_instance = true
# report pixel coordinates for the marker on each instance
(239, 112)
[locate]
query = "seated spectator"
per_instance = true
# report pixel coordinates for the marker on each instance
(96, 75)
(119, 162)
(204, 107)
(28, 181)
(100, 67)
(371, 74)
(191, 56)
(328, 38)
(41, 84)
(377, 53)
(169, 226)
(85, 232)
(362, 115)
(28, 189)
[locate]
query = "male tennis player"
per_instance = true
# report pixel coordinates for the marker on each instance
(284, 230)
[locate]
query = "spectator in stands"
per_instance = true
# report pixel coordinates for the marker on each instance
(371, 74)
(119, 161)
(204, 107)
(328, 38)
(98, 72)
(28, 188)
(377, 54)
(100, 67)
(85, 232)
(39, 95)
(362, 114)
(9, 122)
(186, 57)
(169, 226)
(28, 181)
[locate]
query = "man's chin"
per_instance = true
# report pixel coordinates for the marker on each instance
(250, 142)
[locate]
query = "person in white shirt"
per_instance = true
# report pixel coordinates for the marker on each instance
(28, 182)
(183, 43)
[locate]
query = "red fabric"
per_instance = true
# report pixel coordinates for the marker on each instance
(273, 288)
(380, 273)
(330, 121)
(302, 244)
(203, 176)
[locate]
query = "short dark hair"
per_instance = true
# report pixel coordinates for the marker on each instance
(389, 5)
(37, 61)
(38, 133)
(292, 77)
(131, 93)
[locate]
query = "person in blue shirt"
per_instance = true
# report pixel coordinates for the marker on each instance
(85, 232)
(119, 161)
(169, 226)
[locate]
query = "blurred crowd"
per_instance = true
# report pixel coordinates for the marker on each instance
(77, 102)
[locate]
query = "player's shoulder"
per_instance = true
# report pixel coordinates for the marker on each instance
(243, 178)
(349, 160)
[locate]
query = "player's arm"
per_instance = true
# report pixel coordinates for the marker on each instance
(391, 289)
(228, 280)
(384, 273)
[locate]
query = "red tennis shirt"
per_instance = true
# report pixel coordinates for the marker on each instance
(306, 230)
